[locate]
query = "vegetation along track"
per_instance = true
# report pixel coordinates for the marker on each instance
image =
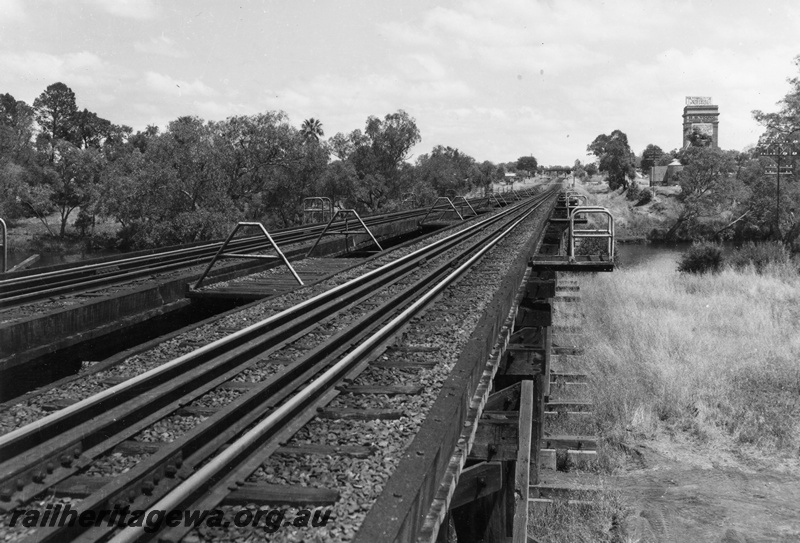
(73, 440)
(27, 288)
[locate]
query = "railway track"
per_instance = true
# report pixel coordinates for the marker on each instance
(30, 288)
(227, 444)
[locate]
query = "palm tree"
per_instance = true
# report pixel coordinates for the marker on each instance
(311, 130)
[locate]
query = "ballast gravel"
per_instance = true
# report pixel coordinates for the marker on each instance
(360, 481)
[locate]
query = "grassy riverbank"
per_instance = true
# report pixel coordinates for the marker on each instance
(711, 357)
(634, 221)
(695, 382)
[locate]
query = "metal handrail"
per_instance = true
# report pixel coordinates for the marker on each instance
(346, 230)
(448, 202)
(465, 201)
(409, 197)
(607, 232)
(222, 254)
(309, 209)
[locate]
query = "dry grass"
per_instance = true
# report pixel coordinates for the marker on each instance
(594, 521)
(632, 221)
(711, 356)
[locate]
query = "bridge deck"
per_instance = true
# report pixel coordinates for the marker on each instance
(274, 281)
(586, 263)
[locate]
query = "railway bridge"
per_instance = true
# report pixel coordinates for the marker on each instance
(398, 390)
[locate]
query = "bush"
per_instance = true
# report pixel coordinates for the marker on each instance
(702, 257)
(760, 255)
(644, 197)
(633, 191)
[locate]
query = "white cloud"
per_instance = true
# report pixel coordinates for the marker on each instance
(132, 9)
(11, 11)
(160, 45)
(176, 87)
(36, 67)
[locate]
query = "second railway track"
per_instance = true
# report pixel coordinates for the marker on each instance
(29, 288)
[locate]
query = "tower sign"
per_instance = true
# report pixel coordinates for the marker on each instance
(700, 116)
(698, 101)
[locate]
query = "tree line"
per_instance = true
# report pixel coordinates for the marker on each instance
(192, 180)
(724, 193)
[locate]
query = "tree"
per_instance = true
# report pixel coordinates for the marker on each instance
(140, 139)
(650, 155)
(338, 183)
(578, 170)
(786, 121)
(391, 140)
(447, 169)
(709, 191)
(89, 130)
(342, 146)
(311, 130)
(528, 164)
(616, 158)
(378, 156)
(78, 177)
(54, 111)
(783, 127)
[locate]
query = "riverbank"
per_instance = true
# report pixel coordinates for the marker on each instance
(696, 399)
(633, 222)
(29, 236)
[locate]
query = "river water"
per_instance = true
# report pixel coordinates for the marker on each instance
(662, 255)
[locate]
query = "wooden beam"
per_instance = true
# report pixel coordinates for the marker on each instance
(30, 261)
(130, 447)
(534, 313)
(569, 442)
(537, 424)
(356, 451)
(495, 440)
(80, 486)
(548, 353)
(390, 390)
(564, 491)
(349, 413)
(522, 479)
(476, 482)
(293, 495)
(571, 405)
(196, 411)
(525, 363)
(568, 351)
(506, 399)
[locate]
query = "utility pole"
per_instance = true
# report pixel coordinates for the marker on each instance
(779, 151)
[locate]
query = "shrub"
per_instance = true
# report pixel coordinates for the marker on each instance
(645, 197)
(633, 191)
(760, 255)
(702, 257)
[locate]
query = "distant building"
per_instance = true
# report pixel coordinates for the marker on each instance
(702, 116)
(665, 175)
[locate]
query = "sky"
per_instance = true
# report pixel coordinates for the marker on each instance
(496, 79)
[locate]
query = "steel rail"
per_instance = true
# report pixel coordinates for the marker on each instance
(28, 289)
(289, 235)
(202, 442)
(65, 432)
(233, 463)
